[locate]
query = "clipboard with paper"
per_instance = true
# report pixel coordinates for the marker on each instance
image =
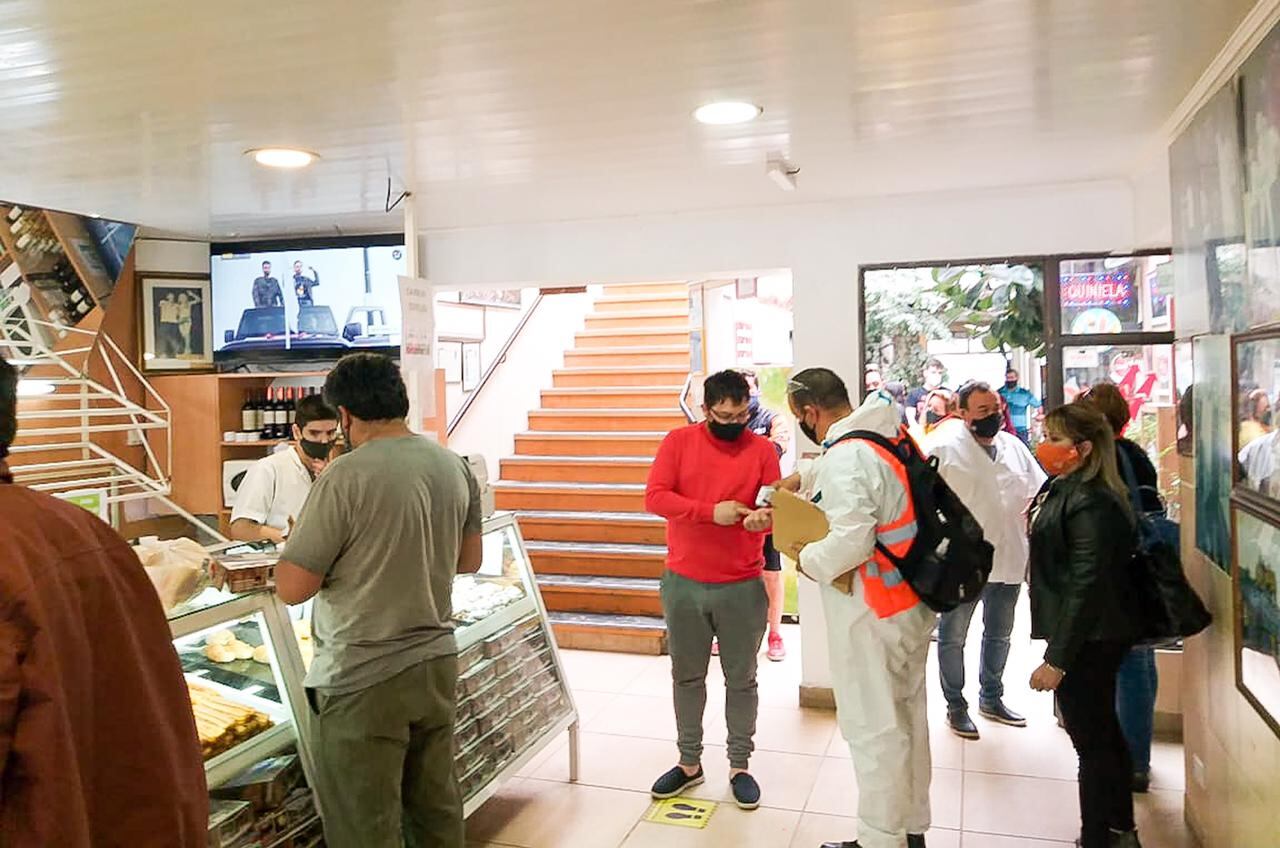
(797, 522)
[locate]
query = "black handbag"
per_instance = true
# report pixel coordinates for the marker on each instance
(1170, 608)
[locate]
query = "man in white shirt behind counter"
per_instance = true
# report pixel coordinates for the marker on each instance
(275, 488)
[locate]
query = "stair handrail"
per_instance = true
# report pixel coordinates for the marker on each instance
(684, 399)
(493, 366)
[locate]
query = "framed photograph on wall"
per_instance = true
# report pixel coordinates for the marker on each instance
(450, 354)
(1212, 436)
(1255, 369)
(1257, 611)
(176, 322)
(470, 367)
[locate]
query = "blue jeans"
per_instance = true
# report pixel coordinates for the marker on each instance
(1136, 685)
(999, 601)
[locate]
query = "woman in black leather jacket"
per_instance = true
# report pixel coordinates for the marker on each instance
(1083, 603)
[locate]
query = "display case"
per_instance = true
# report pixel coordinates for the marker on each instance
(243, 667)
(245, 657)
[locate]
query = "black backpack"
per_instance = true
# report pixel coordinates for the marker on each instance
(949, 560)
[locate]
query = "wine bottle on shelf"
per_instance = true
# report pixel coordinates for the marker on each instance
(292, 412)
(257, 410)
(15, 213)
(248, 420)
(268, 417)
(280, 416)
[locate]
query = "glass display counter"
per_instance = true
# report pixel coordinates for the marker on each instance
(245, 657)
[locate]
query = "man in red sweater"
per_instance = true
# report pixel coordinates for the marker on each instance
(705, 481)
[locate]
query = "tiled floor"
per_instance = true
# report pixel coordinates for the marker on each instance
(1015, 788)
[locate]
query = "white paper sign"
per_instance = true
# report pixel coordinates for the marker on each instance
(417, 348)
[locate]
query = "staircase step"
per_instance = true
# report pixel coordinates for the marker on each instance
(588, 443)
(612, 497)
(635, 528)
(607, 420)
(594, 594)
(621, 397)
(657, 355)
(597, 560)
(632, 634)
(672, 287)
(638, 319)
(577, 469)
(589, 339)
(611, 303)
(636, 375)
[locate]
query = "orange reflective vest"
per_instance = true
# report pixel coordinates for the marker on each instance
(884, 588)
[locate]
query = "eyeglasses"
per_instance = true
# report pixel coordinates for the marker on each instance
(794, 385)
(740, 418)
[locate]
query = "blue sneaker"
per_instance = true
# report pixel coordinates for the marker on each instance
(674, 782)
(746, 792)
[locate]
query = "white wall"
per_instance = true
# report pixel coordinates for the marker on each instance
(501, 409)
(822, 243)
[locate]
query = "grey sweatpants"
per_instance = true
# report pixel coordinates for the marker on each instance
(737, 614)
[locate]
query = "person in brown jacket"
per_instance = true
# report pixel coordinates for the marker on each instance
(98, 746)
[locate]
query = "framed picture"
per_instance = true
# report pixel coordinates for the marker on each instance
(1212, 439)
(450, 354)
(1184, 396)
(470, 367)
(1257, 611)
(176, 323)
(506, 298)
(1255, 368)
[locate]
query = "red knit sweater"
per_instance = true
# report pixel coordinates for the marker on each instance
(694, 471)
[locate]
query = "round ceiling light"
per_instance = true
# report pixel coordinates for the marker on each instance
(34, 388)
(725, 112)
(282, 157)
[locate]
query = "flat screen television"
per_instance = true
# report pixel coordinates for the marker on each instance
(313, 299)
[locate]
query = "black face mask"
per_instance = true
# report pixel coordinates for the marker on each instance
(932, 417)
(1011, 384)
(1265, 418)
(986, 428)
(315, 450)
(726, 432)
(810, 433)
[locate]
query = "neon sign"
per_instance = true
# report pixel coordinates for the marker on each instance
(1111, 289)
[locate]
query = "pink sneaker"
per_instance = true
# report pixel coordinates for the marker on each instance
(715, 647)
(777, 650)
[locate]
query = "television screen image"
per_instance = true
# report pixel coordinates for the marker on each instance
(324, 301)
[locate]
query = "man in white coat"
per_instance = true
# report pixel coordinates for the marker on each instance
(995, 475)
(877, 629)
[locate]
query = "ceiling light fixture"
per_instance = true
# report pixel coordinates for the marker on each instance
(725, 112)
(34, 388)
(282, 157)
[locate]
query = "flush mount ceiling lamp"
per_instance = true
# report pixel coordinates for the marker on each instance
(282, 157)
(726, 112)
(34, 388)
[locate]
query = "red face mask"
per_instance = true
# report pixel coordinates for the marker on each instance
(1057, 459)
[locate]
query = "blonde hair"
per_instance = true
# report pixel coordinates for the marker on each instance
(1082, 422)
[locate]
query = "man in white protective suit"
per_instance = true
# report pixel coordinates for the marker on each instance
(877, 628)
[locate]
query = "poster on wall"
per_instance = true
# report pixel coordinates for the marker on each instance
(1211, 356)
(176, 324)
(1207, 185)
(1257, 604)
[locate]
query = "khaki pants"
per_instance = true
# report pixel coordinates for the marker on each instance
(383, 758)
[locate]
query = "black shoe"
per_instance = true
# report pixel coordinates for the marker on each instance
(674, 782)
(1123, 839)
(746, 792)
(1002, 714)
(961, 725)
(853, 844)
(1141, 782)
(915, 840)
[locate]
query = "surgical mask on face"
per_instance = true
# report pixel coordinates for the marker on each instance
(1011, 384)
(931, 417)
(315, 450)
(1057, 458)
(1265, 418)
(932, 379)
(810, 432)
(726, 432)
(987, 428)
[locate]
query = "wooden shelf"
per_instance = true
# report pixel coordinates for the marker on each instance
(270, 375)
(260, 443)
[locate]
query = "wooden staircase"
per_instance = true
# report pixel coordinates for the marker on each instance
(577, 478)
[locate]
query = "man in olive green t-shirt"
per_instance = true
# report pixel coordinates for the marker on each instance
(378, 543)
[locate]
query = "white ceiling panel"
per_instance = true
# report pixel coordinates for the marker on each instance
(495, 111)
